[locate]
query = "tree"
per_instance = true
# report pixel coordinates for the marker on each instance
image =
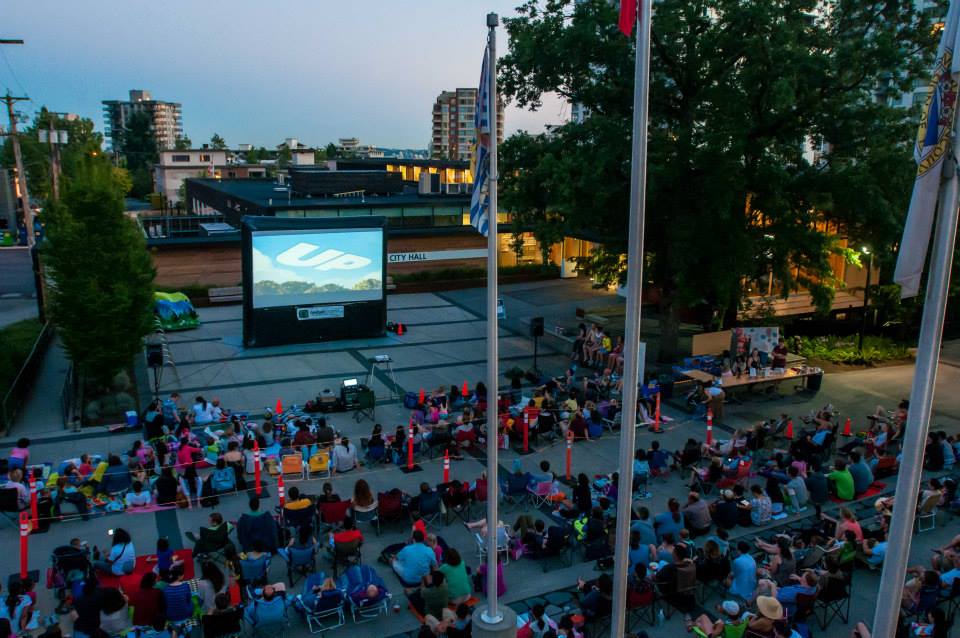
(83, 145)
(736, 89)
(182, 143)
(284, 157)
(217, 142)
(320, 156)
(332, 151)
(139, 148)
(252, 156)
(102, 294)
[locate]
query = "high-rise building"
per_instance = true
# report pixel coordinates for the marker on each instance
(453, 132)
(166, 120)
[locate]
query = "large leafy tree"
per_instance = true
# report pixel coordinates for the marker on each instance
(139, 147)
(218, 142)
(101, 295)
(737, 90)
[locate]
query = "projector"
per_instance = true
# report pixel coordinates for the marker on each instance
(382, 358)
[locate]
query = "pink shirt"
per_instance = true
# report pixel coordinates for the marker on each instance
(20, 453)
(848, 525)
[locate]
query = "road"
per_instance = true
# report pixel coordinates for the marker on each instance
(16, 272)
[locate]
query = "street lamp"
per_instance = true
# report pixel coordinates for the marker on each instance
(866, 297)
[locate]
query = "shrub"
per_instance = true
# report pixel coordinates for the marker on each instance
(836, 349)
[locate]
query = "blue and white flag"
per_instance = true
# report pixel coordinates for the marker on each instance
(479, 203)
(933, 144)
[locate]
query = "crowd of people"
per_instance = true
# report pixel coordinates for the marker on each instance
(758, 476)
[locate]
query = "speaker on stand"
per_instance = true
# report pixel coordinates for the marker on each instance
(536, 331)
(154, 353)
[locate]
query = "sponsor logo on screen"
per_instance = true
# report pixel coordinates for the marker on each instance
(301, 256)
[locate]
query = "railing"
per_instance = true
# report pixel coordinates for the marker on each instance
(23, 382)
(164, 226)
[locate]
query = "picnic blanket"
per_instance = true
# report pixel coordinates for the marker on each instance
(130, 582)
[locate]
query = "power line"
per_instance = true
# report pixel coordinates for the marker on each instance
(6, 61)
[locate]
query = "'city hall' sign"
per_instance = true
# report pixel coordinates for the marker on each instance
(436, 255)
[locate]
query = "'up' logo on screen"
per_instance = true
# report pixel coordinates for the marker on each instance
(328, 259)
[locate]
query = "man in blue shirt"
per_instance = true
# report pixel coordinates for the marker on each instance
(861, 472)
(806, 584)
(643, 525)
(414, 561)
(743, 573)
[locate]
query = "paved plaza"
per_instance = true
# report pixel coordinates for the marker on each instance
(444, 345)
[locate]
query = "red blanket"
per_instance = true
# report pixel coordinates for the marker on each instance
(130, 582)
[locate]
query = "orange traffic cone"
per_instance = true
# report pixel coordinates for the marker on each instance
(846, 427)
(465, 392)
(279, 407)
(399, 329)
(789, 432)
(423, 397)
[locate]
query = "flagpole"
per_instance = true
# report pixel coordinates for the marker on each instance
(492, 613)
(631, 347)
(921, 400)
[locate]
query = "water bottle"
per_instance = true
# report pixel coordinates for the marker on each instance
(660, 618)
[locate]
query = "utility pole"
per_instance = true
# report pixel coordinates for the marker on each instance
(55, 138)
(21, 173)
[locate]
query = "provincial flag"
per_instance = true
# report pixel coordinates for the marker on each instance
(479, 202)
(932, 146)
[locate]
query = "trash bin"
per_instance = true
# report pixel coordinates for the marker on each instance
(814, 381)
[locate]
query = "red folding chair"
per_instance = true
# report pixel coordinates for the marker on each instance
(333, 514)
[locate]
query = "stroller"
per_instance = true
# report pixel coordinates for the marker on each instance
(70, 566)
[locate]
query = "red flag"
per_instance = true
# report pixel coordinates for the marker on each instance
(628, 16)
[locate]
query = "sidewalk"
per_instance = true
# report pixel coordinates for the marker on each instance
(40, 414)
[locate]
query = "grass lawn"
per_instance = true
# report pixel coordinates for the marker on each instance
(16, 341)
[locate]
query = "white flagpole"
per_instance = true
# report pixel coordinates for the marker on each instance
(631, 343)
(921, 400)
(492, 613)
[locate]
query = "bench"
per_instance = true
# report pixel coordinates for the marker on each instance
(600, 320)
(230, 294)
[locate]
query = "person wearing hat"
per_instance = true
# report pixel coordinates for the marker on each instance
(728, 625)
(771, 611)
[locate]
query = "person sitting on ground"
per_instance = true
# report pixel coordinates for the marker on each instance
(730, 623)
(453, 623)
(743, 573)
(325, 434)
(841, 481)
(344, 457)
(696, 515)
(669, 522)
(873, 551)
(137, 497)
(122, 556)
(861, 473)
(457, 578)
(257, 526)
(414, 561)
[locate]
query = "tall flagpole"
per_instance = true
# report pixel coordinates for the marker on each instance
(631, 346)
(921, 400)
(492, 613)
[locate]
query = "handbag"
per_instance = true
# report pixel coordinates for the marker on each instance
(182, 501)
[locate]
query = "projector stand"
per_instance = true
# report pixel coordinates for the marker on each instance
(387, 367)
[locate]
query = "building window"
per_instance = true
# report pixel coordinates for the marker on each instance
(179, 158)
(204, 158)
